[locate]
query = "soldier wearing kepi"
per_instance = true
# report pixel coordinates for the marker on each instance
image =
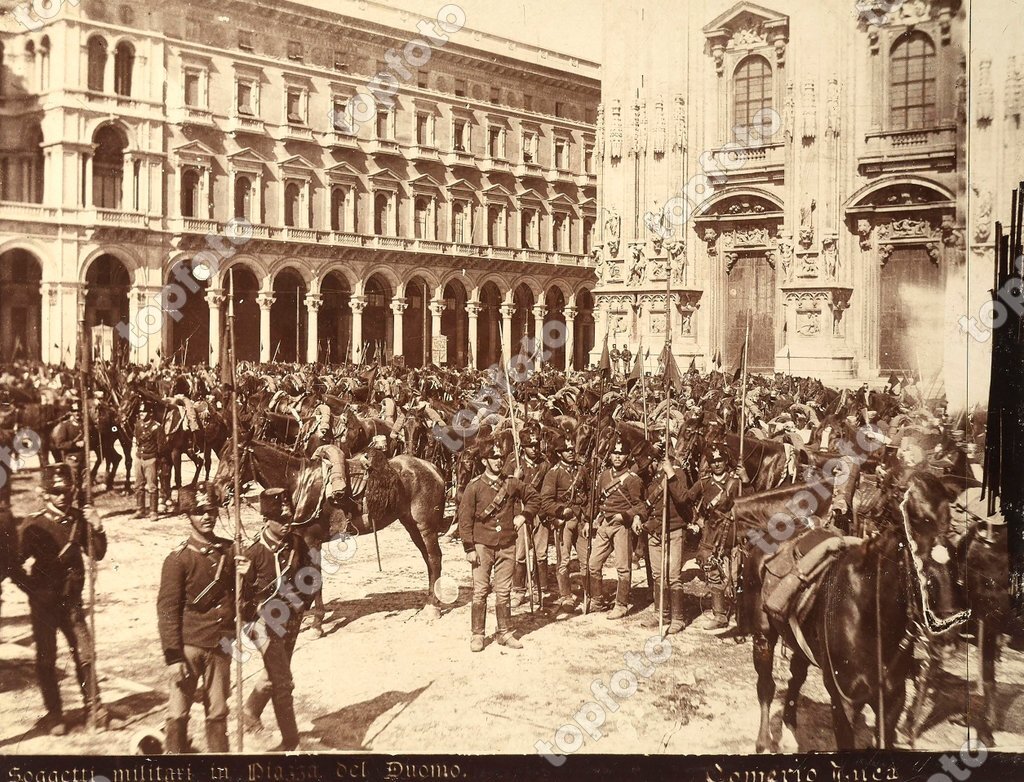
(714, 494)
(488, 526)
(620, 509)
(562, 502)
(196, 619)
(56, 540)
(278, 590)
(148, 437)
(533, 470)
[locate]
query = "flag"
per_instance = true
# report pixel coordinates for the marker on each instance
(718, 360)
(672, 374)
(637, 373)
(893, 381)
(604, 366)
(693, 365)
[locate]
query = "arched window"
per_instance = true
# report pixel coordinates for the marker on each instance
(124, 63)
(190, 193)
(752, 83)
(108, 168)
(243, 195)
(380, 214)
(44, 64)
(97, 63)
(30, 66)
(292, 194)
(912, 82)
(423, 218)
(338, 195)
(494, 226)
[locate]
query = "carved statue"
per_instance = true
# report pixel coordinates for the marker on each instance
(810, 112)
(679, 143)
(677, 259)
(983, 219)
(786, 254)
(789, 112)
(864, 229)
(613, 250)
(984, 99)
(807, 225)
(830, 250)
(600, 268)
(599, 133)
(658, 134)
(638, 267)
(615, 132)
(832, 110)
(657, 242)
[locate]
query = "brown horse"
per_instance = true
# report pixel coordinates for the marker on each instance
(403, 489)
(860, 625)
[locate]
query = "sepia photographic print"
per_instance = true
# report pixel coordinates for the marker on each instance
(360, 360)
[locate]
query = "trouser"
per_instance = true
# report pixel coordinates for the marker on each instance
(50, 612)
(676, 539)
(144, 476)
(498, 560)
(573, 533)
(275, 683)
(612, 539)
(540, 550)
(213, 666)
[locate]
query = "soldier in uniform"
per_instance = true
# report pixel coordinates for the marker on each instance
(620, 509)
(532, 471)
(57, 539)
(626, 356)
(276, 597)
(614, 357)
(196, 619)
(68, 441)
(714, 494)
(680, 525)
(562, 501)
(488, 526)
(148, 439)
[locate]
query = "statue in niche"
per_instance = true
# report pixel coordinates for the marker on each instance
(638, 268)
(807, 225)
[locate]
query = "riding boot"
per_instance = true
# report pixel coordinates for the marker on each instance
(153, 500)
(257, 701)
(653, 619)
(176, 737)
(284, 710)
(518, 584)
(87, 682)
(719, 618)
(677, 598)
(597, 601)
(503, 633)
(479, 622)
(217, 735)
(141, 510)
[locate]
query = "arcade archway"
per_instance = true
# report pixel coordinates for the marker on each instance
(21, 306)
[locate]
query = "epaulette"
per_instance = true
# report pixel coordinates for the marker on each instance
(181, 547)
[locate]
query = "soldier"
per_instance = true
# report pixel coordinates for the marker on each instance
(620, 509)
(562, 501)
(680, 525)
(533, 469)
(614, 357)
(196, 619)
(68, 441)
(626, 356)
(277, 594)
(488, 526)
(148, 439)
(714, 494)
(56, 540)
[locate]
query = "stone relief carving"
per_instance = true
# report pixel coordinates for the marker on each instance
(884, 251)
(808, 322)
(750, 33)
(615, 132)
(983, 216)
(905, 228)
(599, 133)
(864, 230)
(711, 238)
(789, 112)
(638, 267)
(746, 236)
(677, 259)
(807, 224)
(832, 110)
(731, 260)
(1014, 87)
(785, 254)
(658, 133)
(830, 252)
(952, 234)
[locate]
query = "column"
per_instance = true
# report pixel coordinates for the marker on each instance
(539, 311)
(266, 301)
(89, 202)
(436, 311)
(206, 204)
(108, 72)
(214, 301)
(256, 218)
(127, 184)
(398, 308)
(357, 304)
(507, 311)
(473, 310)
(570, 337)
(136, 301)
(313, 303)
(49, 292)
(70, 305)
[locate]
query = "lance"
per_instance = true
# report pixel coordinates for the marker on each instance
(669, 365)
(593, 490)
(743, 394)
(236, 507)
(86, 483)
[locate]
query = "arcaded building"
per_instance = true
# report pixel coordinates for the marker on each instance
(798, 169)
(372, 184)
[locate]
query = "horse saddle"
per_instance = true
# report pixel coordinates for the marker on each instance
(794, 573)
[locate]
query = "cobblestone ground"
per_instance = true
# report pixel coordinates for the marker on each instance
(386, 678)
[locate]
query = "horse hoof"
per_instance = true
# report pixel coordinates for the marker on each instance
(318, 630)
(787, 741)
(430, 612)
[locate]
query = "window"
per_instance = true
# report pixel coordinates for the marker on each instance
(461, 223)
(588, 159)
(529, 147)
(422, 225)
(495, 95)
(559, 108)
(192, 85)
(590, 115)
(246, 99)
(588, 235)
(245, 40)
(424, 130)
(527, 101)
(421, 80)
(529, 229)
(97, 63)
(294, 107)
(559, 234)
(108, 168)
(753, 94)
(381, 214)
(912, 82)
(292, 202)
(339, 197)
(295, 51)
(496, 143)
(496, 226)
(339, 118)
(460, 136)
(561, 154)
(190, 193)
(30, 59)
(124, 64)
(243, 197)
(460, 88)
(383, 124)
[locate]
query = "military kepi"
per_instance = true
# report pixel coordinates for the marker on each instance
(196, 500)
(276, 504)
(56, 478)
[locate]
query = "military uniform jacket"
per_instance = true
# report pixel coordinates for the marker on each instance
(148, 436)
(488, 508)
(273, 575)
(621, 491)
(55, 542)
(680, 509)
(713, 496)
(533, 476)
(554, 494)
(64, 437)
(196, 602)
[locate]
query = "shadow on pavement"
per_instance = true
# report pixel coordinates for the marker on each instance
(350, 728)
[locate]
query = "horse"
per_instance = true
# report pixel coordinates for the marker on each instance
(858, 626)
(403, 489)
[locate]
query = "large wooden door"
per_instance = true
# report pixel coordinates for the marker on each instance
(750, 293)
(912, 313)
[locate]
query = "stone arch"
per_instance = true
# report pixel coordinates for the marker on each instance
(490, 294)
(288, 327)
(455, 321)
(246, 284)
(524, 297)
(554, 337)
(334, 320)
(584, 327)
(418, 290)
(123, 254)
(188, 329)
(865, 195)
(707, 206)
(107, 285)
(378, 287)
(386, 273)
(21, 305)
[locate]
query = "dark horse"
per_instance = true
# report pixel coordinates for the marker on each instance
(859, 627)
(404, 489)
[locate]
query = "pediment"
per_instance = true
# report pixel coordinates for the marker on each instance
(247, 159)
(747, 20)
(499, 191)
(298, 161)
(194, 151)
(342, 170)
(426, 182)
